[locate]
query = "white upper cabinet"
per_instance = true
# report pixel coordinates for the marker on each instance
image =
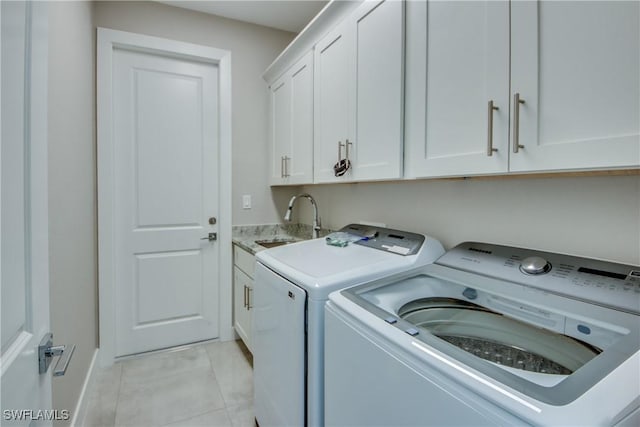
(377, 89)
(573, 65)
(291, 126)
(332, 114)
(457, 62)
(576, 66)
(358, 95)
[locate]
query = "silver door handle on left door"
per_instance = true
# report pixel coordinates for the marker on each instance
(47, 351)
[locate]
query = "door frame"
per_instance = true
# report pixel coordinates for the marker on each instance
(108, 40)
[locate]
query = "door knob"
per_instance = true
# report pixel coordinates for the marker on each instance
(47, 351)
(211, 237)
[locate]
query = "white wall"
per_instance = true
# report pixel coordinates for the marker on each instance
(253, 48)
(72, 192)
(595, 217)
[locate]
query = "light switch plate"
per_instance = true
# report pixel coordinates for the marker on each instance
(246, 201)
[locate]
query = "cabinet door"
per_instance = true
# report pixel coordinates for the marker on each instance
(375, 145)
(280, 128)
(242, 288)
(457, 61)
(299, 163)
(576, 66)
(333, 62)
(291, 127)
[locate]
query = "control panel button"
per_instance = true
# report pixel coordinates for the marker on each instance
(412, 331)
(535, 265)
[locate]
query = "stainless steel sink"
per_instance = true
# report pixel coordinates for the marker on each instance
(273, 243)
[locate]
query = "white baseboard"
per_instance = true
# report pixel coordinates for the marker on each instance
(83, 400)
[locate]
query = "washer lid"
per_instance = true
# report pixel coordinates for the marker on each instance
(497, 338)
(320, 268)
(551, 321)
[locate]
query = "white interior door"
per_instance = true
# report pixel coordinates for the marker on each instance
(24, 251)
(166, 189)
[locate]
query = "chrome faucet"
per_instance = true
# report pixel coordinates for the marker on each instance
(316, 218)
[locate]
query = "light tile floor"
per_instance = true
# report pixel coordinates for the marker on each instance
(204, 385)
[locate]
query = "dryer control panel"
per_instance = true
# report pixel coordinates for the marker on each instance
(386, 239)
(598, 282)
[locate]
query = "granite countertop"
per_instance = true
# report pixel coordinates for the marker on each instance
(245, 236)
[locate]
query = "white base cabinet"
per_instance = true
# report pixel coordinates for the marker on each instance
(562, 78)
(243, 272)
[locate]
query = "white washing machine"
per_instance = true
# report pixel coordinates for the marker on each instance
(292, 284)
(487, 335)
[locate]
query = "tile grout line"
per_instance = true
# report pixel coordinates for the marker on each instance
(194, 416)
(115, 410)
(217, 382)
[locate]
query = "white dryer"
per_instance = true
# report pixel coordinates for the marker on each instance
(487, 335)
(292, 284)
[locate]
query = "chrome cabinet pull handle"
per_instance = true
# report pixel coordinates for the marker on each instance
(349, 144)
(340, 145)
(516, 122)
(249, 306)
(491, 108)
(245, 296)
(282, 167)
(286, 166)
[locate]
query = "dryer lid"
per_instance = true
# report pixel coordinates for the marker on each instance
(320, 268)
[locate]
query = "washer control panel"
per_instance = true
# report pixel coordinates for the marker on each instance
(600, 282)
(535, 265)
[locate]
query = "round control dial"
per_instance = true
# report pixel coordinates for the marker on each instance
(535, 265)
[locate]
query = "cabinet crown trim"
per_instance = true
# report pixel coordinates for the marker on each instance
(326, 19)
